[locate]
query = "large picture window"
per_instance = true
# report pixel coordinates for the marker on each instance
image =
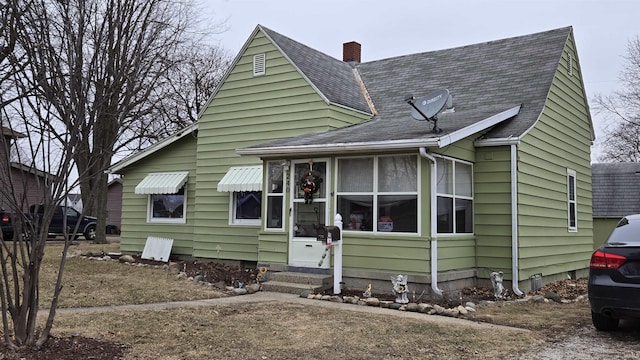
(168, 207)
(454, 196)
(571, 200)
(378, 194)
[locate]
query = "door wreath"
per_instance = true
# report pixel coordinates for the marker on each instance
(310, 181)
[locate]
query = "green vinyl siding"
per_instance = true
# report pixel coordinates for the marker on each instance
(179, 156)
(559, 141)
(602, 228)
(492, 207)
(249, 110)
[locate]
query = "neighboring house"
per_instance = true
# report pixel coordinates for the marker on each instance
(114, 205)
(616, 193)
(22, 185)
(74, 200)
(505, 185)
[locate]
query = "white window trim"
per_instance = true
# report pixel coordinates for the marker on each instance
(232, 213)
(375, 193)
(434, 188)
(572, 173)
(267, 195)
(151, 219)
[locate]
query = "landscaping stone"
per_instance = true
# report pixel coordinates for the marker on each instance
(252, 288)
(336, 298)
(372, 301)
(538, 299)
(553, 296)
(126, 259)
(306, 293)
(413, 307)
(239, 291)
(395, 306)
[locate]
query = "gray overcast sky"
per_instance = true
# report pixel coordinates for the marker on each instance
(385, 28)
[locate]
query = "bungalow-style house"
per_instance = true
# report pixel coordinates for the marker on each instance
(616, 193)
(444, 165)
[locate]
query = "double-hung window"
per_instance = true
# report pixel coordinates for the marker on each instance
(378, 193)
(572, 207)
(275, 195)
(455, 196)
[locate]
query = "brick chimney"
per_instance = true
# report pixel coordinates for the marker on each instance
(351, 52)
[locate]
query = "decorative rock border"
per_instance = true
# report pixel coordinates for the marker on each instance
(461, 311)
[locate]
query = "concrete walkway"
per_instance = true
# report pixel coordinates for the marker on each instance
(266, 296)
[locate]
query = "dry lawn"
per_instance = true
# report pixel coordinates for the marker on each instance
(278, 330)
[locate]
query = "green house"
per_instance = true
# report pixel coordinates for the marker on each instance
(444, 165)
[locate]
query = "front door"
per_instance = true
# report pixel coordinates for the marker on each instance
(309, 183)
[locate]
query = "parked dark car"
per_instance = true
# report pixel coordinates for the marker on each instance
(614, 276)
(86, 224)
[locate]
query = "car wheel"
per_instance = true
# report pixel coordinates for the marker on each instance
(604, 323)
(90, 233)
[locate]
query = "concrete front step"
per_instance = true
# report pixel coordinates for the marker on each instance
(302, 278)
(295, 282)
(290, 288)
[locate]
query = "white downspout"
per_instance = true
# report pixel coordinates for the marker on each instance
(434, 227)
(514, 221)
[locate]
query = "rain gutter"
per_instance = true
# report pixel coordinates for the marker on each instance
(434, 228)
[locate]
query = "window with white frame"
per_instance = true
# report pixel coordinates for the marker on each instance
(454, 188)
(571, 201)
(378, 193)
(247, 206)
(168, 208)
(275, 195)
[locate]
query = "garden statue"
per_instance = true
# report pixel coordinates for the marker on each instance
(367, 293)
(496, 281)
(400, 288)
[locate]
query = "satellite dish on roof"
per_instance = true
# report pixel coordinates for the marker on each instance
(428, 107)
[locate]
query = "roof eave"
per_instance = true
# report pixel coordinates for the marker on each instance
(113, 169)
(478, 126)
(337, 148)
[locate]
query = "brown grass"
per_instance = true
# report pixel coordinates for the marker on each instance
(277, 330)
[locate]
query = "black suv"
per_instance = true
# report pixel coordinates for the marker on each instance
(614, 276)
(86, 224)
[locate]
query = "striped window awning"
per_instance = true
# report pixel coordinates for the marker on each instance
(162, 183)
(242, 178)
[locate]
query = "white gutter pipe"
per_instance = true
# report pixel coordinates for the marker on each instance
(434, 227)
(514, 222)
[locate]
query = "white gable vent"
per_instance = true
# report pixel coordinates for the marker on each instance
(259, 64)
(569, 65)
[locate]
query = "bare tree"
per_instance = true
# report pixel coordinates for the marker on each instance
(187, 86)
(102, 66)
(21, 182)
(622, 112)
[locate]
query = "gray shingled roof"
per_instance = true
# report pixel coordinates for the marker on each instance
(615, 189)
(332, 77)
(484, 79)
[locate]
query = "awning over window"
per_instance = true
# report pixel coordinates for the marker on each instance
(162, 183)
(242, 178)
